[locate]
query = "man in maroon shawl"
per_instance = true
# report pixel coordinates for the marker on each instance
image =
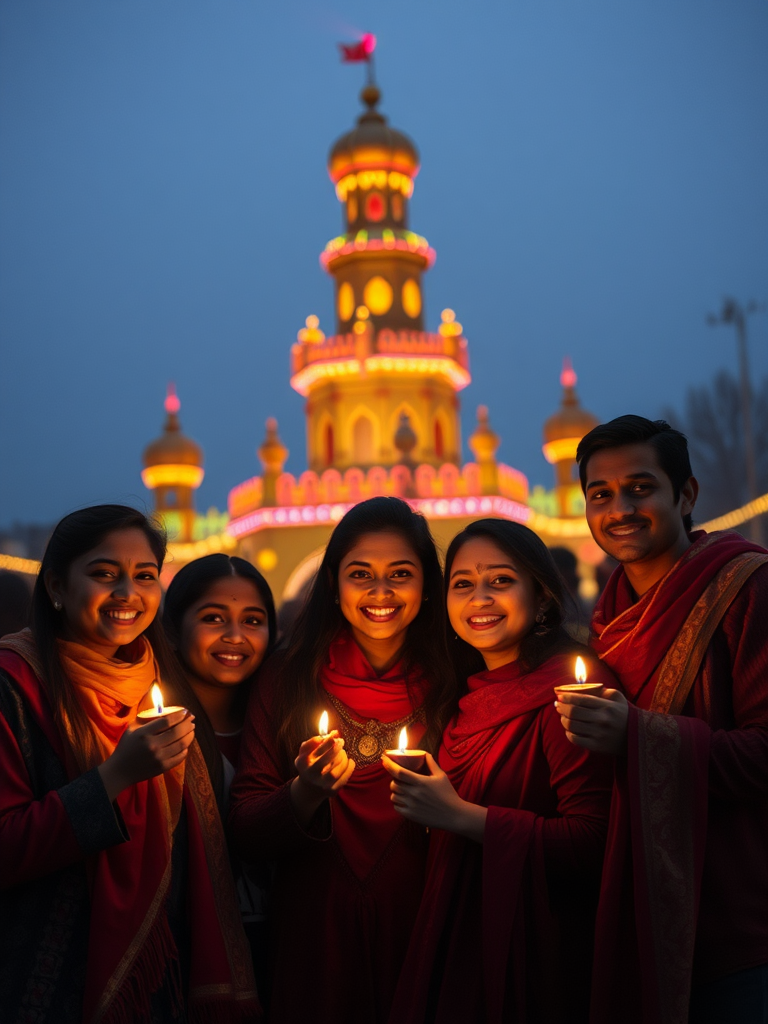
(682, 931)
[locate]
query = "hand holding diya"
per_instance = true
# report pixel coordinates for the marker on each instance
(413, 760)
(158, 710)
(581, 687)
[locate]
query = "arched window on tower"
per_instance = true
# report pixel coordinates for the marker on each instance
(439, 440)
(328, 444)
(362, 441)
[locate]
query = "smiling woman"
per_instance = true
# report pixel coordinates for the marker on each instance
(105, 824)
(515, 862)
(368, 649)
(220, 618)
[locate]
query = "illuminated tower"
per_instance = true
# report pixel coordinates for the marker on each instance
(562, 433)
(174, 471)
(380, 363)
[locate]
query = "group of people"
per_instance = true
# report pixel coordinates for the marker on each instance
(250, 845)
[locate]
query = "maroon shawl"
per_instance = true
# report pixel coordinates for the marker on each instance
(649, 904)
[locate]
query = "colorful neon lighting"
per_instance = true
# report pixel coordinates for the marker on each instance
(377, 240)
(374, 207)
(172, 476)
(364, 180)
(172, 403)
(435, 508)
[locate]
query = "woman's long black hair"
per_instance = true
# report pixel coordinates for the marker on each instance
(529, 553)
(424, 653)
(74, 536)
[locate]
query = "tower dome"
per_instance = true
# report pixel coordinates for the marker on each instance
(564, 429)
(562, 433)
(174, 470)
(372, 145)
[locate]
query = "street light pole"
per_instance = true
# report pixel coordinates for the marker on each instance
(733, 313)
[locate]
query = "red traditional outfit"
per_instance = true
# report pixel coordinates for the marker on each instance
(101, 944)
(347, 888)
(685, 885)
(504, 931)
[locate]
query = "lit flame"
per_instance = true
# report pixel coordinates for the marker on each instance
(323, 727)
(157, 699)
(403, 741)
(581, 671)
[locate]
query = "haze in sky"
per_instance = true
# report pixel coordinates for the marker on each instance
(593, 180)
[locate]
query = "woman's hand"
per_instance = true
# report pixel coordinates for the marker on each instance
(148, 750)
(597, 723)
(322, 768)
(431, 800)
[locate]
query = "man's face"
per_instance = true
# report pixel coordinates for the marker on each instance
(631, 507)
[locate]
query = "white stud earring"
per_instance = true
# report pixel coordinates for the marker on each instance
(57, 605)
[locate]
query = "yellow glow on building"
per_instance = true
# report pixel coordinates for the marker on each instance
(374, 178)
(346, 301)
(267, 559)
(172, 476)
(562, 448)
(378, 295)
(411, 298)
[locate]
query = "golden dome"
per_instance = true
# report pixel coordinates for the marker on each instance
(173, 448)
(564, 430)
(372, 144)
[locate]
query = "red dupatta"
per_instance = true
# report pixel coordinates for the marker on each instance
(131, 948)
(495, 722)
(365, 823)
(646, 924)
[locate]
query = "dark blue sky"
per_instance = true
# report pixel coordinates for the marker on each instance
(594, 179)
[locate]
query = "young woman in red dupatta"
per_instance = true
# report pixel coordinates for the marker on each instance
(368, 649)
(504, 931)
(116, 901)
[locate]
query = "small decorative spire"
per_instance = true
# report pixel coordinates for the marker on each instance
(484, 442)
(405, 438)
(272, 451)
(450, 327)
(172, 403)
(370, 96)
(568, 376)
(311, 334)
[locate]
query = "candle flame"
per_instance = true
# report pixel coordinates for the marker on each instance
(323, 727)
(581, 671)
(403, 741)
(157, 699)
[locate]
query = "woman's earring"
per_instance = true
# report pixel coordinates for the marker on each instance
(57, 605)
(424, 599)
(336, 600)
(541, 623)
(455, 636)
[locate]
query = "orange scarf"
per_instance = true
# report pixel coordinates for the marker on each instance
(131, 949)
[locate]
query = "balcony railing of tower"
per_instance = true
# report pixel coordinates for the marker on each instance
(332, 487)
(377, 240)
(357, 353)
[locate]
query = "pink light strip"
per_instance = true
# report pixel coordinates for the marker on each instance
(435, 508)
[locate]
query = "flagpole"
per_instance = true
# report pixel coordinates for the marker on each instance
(371, 73)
